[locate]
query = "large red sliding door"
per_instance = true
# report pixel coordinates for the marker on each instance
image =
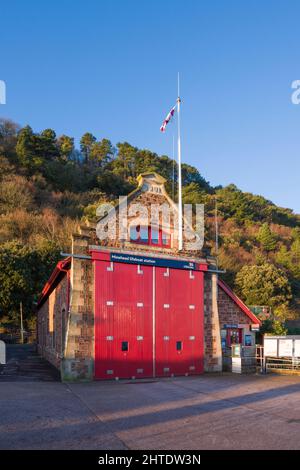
(148, 321)
(179, 322)
(123, 320)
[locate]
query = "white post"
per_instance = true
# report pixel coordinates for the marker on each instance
(217, 233)
(180, 241)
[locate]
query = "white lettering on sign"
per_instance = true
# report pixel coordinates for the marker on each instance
(286, 347)
(2, 352)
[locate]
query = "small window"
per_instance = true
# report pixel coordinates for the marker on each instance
(165, 239)
(178, 345)
(124, 346)
(149, 236)
(155, 236)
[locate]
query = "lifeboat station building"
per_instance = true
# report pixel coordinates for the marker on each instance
(139, 307)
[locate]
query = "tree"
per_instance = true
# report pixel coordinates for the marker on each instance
(23, 272)
(27, 149)
(263, 285)
(101, 152)
(190, 174)
(66, 147)
(8, 138)
(267, 238)
(86, 143)
(47, 146)
(16, 193)
(124, 164)
(273, 327)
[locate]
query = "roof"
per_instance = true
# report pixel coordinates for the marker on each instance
(238, 302)
(59, 271)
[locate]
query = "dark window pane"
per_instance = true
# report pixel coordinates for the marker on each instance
(124, 345)
(179, 345)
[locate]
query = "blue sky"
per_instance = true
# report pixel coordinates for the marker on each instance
(110, 67)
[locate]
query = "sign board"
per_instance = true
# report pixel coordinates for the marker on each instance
(237, 365)
(297, 348)
(149, 261)
(255, 327)
(2, 353)
(270, 347)
(285, 348)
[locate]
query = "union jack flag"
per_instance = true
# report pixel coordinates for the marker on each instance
(168, 119)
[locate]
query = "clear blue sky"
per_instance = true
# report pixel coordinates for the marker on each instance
(110, 67)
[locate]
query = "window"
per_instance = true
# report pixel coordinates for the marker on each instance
(165, 239)
(144, 234)
(178, 345)
(124, 347)
(234, 336)
(147, 236)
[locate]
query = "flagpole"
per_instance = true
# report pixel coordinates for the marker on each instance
(180, 241)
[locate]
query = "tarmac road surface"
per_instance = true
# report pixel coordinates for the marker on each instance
(226, 411)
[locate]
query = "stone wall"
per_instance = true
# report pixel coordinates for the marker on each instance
(212, 338)
(229, 312)
(78, 362)
(51, 324)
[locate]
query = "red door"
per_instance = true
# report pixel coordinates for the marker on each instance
(179, 322)
(123, 320)
(129, 308)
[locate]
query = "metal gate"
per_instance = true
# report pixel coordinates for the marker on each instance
(148, 321)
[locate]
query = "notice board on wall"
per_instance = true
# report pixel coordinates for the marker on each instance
(297, 348)
(270, 347)
(285, 348)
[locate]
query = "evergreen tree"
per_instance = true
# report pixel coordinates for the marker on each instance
(263, 285)
(86, 143)
(266, 238)
(47, 145)
(66, 147)
(27, 149)
(101, 152)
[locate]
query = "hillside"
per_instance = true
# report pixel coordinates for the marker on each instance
(47, 186)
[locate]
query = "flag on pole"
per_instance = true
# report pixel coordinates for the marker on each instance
(168, 119)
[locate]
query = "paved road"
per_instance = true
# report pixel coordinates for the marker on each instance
(208, 412)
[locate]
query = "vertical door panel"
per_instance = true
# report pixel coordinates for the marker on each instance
(123, 314)
(179, 322)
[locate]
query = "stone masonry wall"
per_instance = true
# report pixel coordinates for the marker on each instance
(229, 312)
(51, 324)
(212, 342)
(78, 362)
